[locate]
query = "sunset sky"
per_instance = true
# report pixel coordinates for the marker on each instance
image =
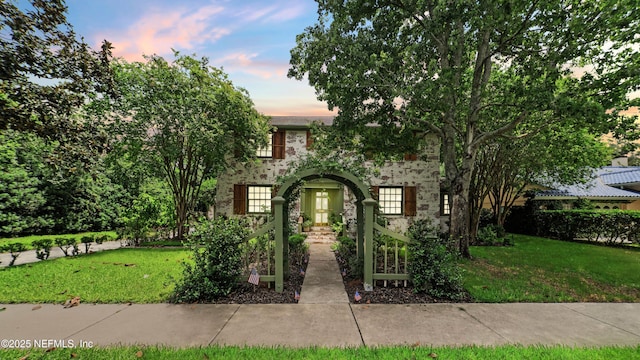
(250, 39)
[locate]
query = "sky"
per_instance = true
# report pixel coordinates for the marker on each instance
(249, 39)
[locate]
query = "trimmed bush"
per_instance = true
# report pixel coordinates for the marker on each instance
(66, 244)
(14, 249)
(217, 255)
(608, 226)
(42, 248)
(432, 266)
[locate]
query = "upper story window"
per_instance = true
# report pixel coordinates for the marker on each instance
(267, 151)
(390, 200)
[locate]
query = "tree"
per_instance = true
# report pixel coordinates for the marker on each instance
(47, 74)
(506, 166)
(186, 118)
(429, 65)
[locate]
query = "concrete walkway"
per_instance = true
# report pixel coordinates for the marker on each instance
(29, 256)
(326, 325)
(322, 281)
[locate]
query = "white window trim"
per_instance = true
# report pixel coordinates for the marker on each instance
(391, 195)
(267, 151)
(258, 199)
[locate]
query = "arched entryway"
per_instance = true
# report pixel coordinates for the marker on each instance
(365, 206)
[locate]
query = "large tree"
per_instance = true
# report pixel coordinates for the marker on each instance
(186, 119)
(47, 73)
(427, 65)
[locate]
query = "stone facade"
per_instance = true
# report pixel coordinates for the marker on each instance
(421, 174)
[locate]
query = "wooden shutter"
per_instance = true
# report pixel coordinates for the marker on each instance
(410, 201)
(239, 199)
(375, 192)
(410, 157)
(279, 138)
(309, 139)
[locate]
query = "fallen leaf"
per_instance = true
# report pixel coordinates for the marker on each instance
(37, 307)
(64, 292)
(74, 355)
(129, 264)
(139, 354)
(25, 357)
(433, 355)
(3, 309)
(368, 301)
(72, 302)
(50, 349)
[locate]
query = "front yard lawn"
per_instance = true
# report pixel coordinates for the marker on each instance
(543, 270)
(116, 276)
(390, 353)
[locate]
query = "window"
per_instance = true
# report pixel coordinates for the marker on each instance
(267, 151)
(390, 200)
(446, 207)
(258, 199)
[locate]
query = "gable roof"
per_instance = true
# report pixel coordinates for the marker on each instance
(601, 187)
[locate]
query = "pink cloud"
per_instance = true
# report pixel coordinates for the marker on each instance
(246, 63)
(160, 31)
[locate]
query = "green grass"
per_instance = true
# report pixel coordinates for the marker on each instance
(117, 276)
(543, 270)
(390, 353)
(27, 240)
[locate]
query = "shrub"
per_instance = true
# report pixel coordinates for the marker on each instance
(217, 255)
(432, 266)
(609, 227)
(487, 235)
(345, 247)
(87, 240)
(66, 244)
(15, 249)
(43, 248)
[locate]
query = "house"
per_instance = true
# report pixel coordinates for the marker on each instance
(406, 190)
(612, 187)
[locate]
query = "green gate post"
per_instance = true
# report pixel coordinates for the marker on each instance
(360, 231)
(277, 204)
(369, 205)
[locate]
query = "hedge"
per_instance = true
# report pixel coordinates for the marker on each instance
(608, 226)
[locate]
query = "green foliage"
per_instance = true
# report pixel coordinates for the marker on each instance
(37, 44)
(87, 240)
(183, 118)
(346, 248)
(42, 248)
(14, 249)
(217, 256)
(66, 244)
(605, 226)
(432, 266)
(298, 248)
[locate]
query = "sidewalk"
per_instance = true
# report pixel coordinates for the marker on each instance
(326, 325)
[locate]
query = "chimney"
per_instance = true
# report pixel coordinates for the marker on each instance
(620, 161)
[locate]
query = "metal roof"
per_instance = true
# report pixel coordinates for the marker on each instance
(599, 188)
(620, 175)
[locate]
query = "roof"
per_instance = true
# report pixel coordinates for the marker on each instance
(300, 121)
(620, 175)
(601, 187)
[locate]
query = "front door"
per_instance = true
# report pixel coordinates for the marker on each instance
(322, 208)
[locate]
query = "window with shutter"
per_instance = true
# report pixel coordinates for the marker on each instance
(309, 139)
(239, 199)
(279, 138)
(410, 201)
(390, 200)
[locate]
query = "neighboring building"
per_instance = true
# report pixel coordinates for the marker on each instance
(406, 190)
(613, 187)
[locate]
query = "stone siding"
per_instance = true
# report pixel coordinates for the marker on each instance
(422, 173)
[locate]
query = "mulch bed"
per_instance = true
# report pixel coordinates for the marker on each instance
(250, 294)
